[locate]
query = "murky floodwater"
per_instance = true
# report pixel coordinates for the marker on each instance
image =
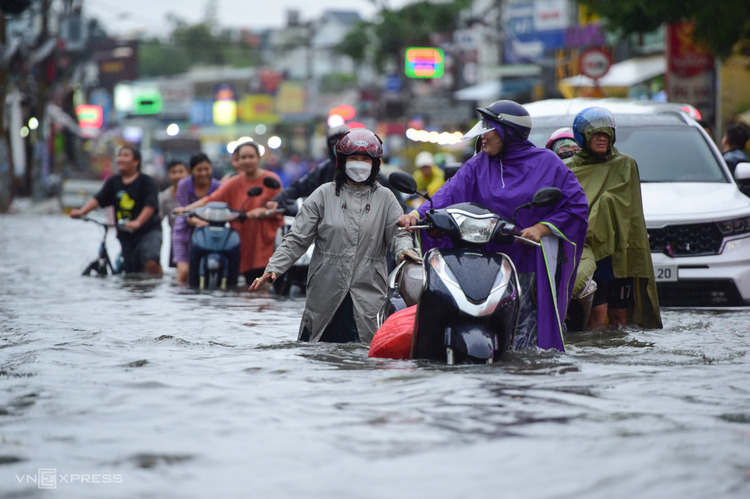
(147, 389)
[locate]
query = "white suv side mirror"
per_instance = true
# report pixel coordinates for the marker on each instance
(742, 171)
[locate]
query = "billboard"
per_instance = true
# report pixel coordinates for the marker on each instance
(533, 28)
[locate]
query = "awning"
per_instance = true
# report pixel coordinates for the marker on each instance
(623, 74)
(485, 91)
(492, 90)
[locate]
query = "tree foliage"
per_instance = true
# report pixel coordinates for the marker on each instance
(193, 44)
(385, 39)
(722, 26)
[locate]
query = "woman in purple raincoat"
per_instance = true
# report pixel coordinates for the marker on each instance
(504, 175)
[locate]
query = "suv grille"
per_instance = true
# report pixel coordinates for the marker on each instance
(686, 240)
(708, 293)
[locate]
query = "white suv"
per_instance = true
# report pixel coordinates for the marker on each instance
(698, 220)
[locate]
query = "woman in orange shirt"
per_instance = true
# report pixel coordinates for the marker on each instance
(257, 233)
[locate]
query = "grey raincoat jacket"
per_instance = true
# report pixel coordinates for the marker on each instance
(351, 233)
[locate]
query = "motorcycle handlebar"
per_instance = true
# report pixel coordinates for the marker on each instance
(527, 241)
(516, 236)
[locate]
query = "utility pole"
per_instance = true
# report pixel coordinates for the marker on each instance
(6, 165)
(35, 165)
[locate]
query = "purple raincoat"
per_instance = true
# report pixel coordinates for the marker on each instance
(502, 183)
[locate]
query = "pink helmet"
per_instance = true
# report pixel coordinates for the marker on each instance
(561, 133)
(360, 141)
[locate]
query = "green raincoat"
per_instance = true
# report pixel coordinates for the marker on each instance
(617, 228)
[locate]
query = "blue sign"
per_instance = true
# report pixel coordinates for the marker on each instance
(393, 84)
(534, 30)
(202, 112)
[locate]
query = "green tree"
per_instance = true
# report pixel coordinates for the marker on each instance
(191, 44)
(383, 41)
(722, 26)
(156, 58)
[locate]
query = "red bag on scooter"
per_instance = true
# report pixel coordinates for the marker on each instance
(393, 339)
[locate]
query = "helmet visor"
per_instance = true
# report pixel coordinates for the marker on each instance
(591, 123)
(480, 128)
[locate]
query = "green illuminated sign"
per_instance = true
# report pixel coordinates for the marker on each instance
(424, 62)
(147, 102)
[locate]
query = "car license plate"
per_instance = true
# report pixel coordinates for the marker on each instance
(665, 273)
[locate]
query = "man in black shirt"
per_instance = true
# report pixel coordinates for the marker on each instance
(135, 198)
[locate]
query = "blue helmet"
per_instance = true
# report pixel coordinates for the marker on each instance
(590, 119)
(508, 113)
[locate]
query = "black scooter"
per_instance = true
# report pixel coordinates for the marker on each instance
(215, 248)
(468, 298)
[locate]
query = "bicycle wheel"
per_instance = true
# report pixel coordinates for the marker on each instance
(96, 266)
(213, 280)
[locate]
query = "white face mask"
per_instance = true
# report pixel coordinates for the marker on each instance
(358, 171)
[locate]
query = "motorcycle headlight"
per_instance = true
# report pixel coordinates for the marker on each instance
(735, 226)
(211, 214)
(475, 230)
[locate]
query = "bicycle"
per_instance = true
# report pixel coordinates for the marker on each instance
(103, 265)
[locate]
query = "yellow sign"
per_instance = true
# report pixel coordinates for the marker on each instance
(225, 112)
(258, 108)
(290, 98)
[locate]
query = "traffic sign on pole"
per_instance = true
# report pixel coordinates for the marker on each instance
(595, 63)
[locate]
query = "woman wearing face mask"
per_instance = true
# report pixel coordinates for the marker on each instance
(352, 221)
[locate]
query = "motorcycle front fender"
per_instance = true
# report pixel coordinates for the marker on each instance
(472, 340)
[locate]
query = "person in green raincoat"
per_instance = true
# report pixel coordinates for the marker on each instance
(616, 241)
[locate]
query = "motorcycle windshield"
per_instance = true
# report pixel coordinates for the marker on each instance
(216, 214)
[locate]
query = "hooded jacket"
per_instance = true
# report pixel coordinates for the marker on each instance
(351, 232)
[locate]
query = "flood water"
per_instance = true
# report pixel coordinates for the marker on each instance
(135, 387)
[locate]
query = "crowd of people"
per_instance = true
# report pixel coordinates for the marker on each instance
(351, 214)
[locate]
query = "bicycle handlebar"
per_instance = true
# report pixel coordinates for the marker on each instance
(97, 222)
(120, 225)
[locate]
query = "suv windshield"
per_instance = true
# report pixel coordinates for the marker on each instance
(665, 153)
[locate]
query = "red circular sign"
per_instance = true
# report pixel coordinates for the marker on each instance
(595, 63)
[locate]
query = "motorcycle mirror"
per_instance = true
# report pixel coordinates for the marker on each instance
(271, 183)
(403, 182)
(255, 191)
(546, 196)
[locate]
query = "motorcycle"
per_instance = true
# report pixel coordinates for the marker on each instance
(215, 248)
(468, 297)
(293, 282)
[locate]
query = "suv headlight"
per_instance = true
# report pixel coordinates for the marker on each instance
(475, 230)
(734, 227)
